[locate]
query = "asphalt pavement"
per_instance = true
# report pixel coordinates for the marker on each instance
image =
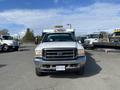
(17, 72)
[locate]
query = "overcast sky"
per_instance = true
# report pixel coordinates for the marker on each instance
(86, 16)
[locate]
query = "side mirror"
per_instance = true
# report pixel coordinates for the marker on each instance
(0, 39)
(79, 41)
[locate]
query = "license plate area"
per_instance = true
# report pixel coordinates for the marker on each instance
(60, 68)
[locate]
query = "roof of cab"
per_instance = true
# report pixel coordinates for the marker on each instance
(57, 30)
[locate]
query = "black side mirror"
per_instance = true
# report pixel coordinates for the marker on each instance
(79, 41)
(0, 39)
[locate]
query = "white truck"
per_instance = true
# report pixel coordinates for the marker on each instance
(59, 51)
(91, 39)
(8, 43)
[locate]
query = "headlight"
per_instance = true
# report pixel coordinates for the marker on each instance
(81, 52)
(38, 53)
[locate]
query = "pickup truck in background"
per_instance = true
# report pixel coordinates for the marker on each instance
(8, 43)
(59, 51)
(90, 40)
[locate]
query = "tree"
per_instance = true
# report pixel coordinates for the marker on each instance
(39, 38)
(4, 32)
(29, 36)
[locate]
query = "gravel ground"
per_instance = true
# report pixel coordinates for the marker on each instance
(17, 72)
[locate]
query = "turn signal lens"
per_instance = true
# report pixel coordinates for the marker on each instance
(81, 52)
(38, 53)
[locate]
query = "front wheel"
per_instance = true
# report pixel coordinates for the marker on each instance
(5, 48)
(16, 49)
(81, 71)
(38, 72)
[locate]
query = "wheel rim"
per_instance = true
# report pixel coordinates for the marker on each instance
(5, 48)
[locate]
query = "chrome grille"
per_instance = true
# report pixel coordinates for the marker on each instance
(86, 41)
(60, 54)
(15, 43)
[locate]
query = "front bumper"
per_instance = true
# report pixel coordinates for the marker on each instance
(88, 45)
(50, 66)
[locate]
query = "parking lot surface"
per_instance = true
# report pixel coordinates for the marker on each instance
(17, 72)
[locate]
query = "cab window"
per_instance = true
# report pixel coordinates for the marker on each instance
(58, 37)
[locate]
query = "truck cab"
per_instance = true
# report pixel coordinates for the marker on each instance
(115, 38)
(8, 43)
(59, 51)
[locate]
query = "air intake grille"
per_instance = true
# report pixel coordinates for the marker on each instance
(60, 54)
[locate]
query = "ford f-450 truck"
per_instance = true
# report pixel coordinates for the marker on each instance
(59, 51)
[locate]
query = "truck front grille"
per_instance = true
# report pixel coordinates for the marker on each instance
(87, 42)
(60, 54)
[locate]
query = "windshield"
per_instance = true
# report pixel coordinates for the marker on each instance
(117, 33)
(7, 38)
(58, 37)
(93, 36)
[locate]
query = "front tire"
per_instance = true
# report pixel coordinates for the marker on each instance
(81, 71)
(38, 72)
(5, 48)
(16, 49)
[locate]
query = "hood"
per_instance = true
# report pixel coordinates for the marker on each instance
(9, 41)
(57, 45)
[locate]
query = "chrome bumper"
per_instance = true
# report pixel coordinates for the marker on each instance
(47, 66)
